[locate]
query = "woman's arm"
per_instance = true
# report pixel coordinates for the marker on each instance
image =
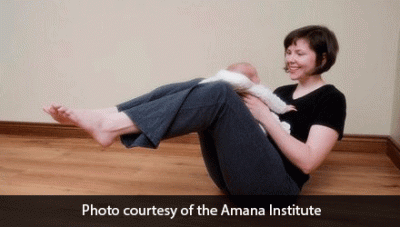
(306, 156)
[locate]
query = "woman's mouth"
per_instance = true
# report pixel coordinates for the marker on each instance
(293, 69)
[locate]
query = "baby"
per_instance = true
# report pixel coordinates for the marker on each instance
(243, 78)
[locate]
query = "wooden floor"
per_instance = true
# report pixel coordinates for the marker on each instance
(61, 166)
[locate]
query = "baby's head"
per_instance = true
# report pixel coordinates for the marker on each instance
(246, 69)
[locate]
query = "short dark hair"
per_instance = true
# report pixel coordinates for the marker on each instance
(321, 40)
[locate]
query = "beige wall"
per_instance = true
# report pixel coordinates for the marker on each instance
(97, 53)
(396, 102)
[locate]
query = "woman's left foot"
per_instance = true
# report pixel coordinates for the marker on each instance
(52, 110)
(93, 122)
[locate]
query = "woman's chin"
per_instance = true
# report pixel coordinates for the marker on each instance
(293, 76)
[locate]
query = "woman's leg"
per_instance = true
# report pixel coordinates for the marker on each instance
(159, 92)
(104, 125)
(241, 153)
(238, 155)
(211, 160)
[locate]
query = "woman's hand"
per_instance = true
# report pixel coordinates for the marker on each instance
(257, 107)
(306, 156)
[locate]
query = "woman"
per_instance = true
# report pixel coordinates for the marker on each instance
(238, 156)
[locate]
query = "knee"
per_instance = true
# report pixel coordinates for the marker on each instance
(219, 89)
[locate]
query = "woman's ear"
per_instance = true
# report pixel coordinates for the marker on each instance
(323, 62)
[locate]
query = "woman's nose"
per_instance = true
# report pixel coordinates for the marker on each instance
(289, 58)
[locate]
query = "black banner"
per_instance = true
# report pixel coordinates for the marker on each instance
(199, 211)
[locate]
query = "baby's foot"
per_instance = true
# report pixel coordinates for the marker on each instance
(289, 108)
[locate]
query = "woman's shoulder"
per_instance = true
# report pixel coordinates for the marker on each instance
(331, 91)
(330, 96)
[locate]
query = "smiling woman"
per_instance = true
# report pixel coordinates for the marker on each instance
(300, 59)
(321, 108)
(317, 39)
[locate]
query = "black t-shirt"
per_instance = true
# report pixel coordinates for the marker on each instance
(325, 106)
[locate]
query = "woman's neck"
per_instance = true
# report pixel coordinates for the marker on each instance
(307, 85)
(311, 82)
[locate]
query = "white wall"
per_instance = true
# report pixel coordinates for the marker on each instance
(97, 53)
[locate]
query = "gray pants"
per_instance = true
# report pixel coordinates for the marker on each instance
(239, 157)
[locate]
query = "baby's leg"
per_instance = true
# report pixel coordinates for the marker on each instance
(238, 81)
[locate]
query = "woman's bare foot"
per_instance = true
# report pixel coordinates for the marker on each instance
(52, 110)
(104, 125)
(97, 124)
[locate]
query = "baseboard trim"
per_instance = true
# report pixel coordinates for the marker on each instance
(393, 151)
(362, 143)
(65, 131)
(359, 143)
(354, 143)
(41, 129)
